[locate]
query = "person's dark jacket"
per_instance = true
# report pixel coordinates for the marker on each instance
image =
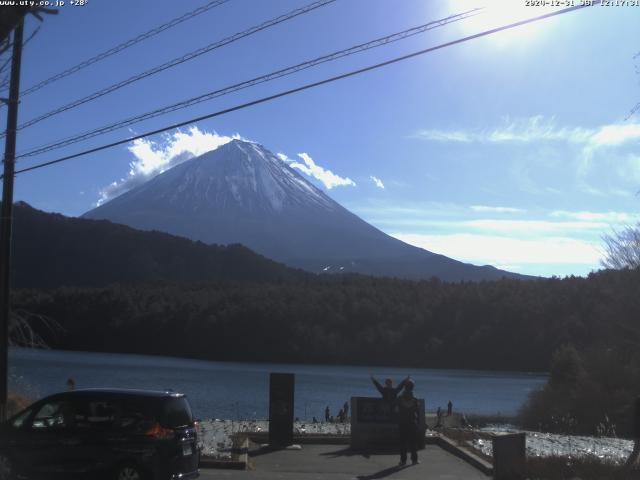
(408, 409)
(388, 393)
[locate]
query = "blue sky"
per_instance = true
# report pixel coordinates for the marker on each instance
(513, 150)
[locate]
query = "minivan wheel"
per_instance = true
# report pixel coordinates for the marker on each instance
(6, 468)
(128, 472)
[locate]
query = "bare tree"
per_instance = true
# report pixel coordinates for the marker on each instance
(25, 328)
(622, 248)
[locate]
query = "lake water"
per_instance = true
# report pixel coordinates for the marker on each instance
(241, 390)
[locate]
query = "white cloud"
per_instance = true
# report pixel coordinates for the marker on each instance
(526, 130)
(152, 158)
(594, 156)
(498, 250)
(448, 136)
(619, 217)
(614, 135)
(327, 177)
(530, 226)
(537, 129)
(485, 208)
(377, 182)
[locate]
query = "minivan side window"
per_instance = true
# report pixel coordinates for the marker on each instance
(135, 415)
(55, 414)
(95, 413)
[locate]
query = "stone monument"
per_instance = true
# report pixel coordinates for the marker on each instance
(509, 456)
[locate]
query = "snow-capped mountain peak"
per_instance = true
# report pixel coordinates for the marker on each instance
(243, 193)
(239, 175)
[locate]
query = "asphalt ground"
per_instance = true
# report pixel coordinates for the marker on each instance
(337, 462)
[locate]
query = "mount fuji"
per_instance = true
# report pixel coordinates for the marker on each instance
(243, 193)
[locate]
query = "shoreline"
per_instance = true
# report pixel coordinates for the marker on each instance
(275, 363)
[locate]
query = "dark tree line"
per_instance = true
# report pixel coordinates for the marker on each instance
(507, 325)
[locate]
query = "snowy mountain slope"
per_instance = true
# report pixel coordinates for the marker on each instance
(243, 193)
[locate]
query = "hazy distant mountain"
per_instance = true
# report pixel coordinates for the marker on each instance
(51, 250)
(243, 193)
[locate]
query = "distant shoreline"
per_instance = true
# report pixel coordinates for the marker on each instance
(373, 367)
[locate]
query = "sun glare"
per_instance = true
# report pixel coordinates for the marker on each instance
(497, 13)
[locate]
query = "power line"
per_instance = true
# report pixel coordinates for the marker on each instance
(123, 46)
(250, 83)
(177, 61)
(7, 62)
(309, 86)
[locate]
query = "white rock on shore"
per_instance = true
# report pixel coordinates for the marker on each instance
(549, 444)
(215, 435)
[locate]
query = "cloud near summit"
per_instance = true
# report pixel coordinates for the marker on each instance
(312, 169)
(151, 158)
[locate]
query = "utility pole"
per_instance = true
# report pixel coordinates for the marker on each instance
(6, 214)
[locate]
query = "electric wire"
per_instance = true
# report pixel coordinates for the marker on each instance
(250, 83)
(123, 46)
(4, 82)
(177, 61)
(308, 86)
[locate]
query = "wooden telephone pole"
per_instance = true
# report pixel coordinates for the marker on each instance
(7, 212)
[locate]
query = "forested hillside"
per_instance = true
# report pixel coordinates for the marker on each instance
(51, 250)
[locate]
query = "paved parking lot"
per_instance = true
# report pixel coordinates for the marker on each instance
(337, 462)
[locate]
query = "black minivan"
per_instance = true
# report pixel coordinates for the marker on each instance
(102, 433)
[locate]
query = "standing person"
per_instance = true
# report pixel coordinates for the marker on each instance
(389, 392)
(449, 408)
(346, 409)
(71, 384)
(408, 419)
(327, 414)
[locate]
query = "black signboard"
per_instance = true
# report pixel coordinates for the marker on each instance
(374, 423)
(375, 410)
(281, 387)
